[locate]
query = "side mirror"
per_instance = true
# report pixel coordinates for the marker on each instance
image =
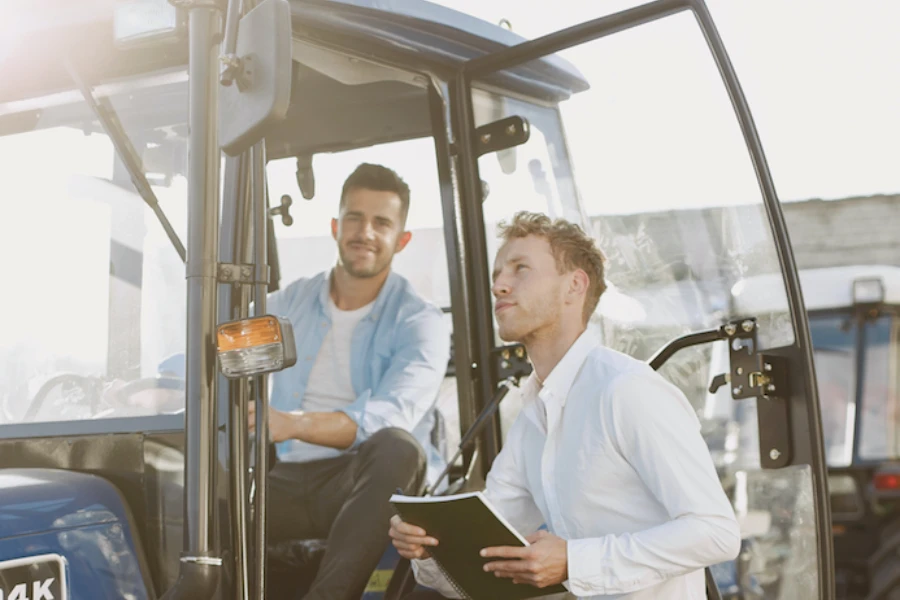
(261, 92)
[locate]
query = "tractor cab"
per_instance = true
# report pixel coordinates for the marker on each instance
(168, 165)
(853, 313)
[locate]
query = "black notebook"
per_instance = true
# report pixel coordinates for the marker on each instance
(463, 524)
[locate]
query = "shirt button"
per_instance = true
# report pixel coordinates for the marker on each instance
(324, 324)
(296, 394)
(308, 358)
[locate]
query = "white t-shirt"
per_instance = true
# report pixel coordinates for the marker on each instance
(330, 387)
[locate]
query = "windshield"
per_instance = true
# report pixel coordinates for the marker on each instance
(844, 389)
(834, 349)
(878, 437)
(97, 289)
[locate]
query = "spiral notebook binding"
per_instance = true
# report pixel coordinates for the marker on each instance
(447, 576)
(456, 586)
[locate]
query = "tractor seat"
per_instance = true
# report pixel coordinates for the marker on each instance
(291, 567)
(292, 564)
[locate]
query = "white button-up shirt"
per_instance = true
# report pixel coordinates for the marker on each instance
(609, 456)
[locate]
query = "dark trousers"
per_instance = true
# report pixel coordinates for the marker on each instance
(344, 500)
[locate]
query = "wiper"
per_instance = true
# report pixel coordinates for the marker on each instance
(111, 124)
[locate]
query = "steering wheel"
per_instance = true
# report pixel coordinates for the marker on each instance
(160, 382)
(93, 388)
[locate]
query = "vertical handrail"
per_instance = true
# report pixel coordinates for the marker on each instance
(260, 224)
(202, 287)
(233, 301)
(201, 562)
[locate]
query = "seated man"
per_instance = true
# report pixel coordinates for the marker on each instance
(352, 418)
(606, 453)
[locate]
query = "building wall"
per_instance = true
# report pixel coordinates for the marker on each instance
(845, 232)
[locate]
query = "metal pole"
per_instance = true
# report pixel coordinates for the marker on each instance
(201, 562)
(260, 223)
(203, 225)
(232, 303)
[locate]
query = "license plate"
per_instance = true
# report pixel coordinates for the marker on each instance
(34, 578)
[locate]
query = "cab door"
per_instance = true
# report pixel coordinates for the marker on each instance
(660, 160)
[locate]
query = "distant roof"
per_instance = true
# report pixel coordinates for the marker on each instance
(823, 288)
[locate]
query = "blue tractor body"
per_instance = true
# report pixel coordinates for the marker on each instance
(76, 516)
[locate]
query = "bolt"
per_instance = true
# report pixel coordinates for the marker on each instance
(520, 352)
(486, 138)
(505, 354)
(747, 326)
(246, 272)
(474, 365)
(511, 130)
(740, 371)
(737, 389)
(770, 388)
(774, 454)
(767, 366)
(730, 329)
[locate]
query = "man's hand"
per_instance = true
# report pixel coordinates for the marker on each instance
(543, 563)
(282, 425)
(409, 540)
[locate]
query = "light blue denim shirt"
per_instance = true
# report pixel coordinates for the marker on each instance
(399, 359)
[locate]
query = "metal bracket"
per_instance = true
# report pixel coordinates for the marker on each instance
(511, 362)
(232, 70)
(753, 374)
(232, 273)
(763, 376)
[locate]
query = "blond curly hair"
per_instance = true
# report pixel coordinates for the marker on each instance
(572, 249)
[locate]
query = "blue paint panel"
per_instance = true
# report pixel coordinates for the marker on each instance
(78, 516)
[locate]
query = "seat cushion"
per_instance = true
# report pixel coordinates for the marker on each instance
(292, 566)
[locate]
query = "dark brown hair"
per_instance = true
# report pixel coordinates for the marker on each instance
(381, 179)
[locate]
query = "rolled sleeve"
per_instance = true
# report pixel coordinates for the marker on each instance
(429, 574)
(409, 388)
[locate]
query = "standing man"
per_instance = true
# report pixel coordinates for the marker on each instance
(352, 418)
(606, 453)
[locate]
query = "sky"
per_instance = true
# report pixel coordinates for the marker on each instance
(822, 78)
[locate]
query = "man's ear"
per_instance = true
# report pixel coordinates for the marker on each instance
(402, 241)
(334, 227)
(579, 283)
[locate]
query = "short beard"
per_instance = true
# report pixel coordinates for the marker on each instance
(374, 271)
(367, 273)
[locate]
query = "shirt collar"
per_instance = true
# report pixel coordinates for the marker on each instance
(562, 377)
(389, 284)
